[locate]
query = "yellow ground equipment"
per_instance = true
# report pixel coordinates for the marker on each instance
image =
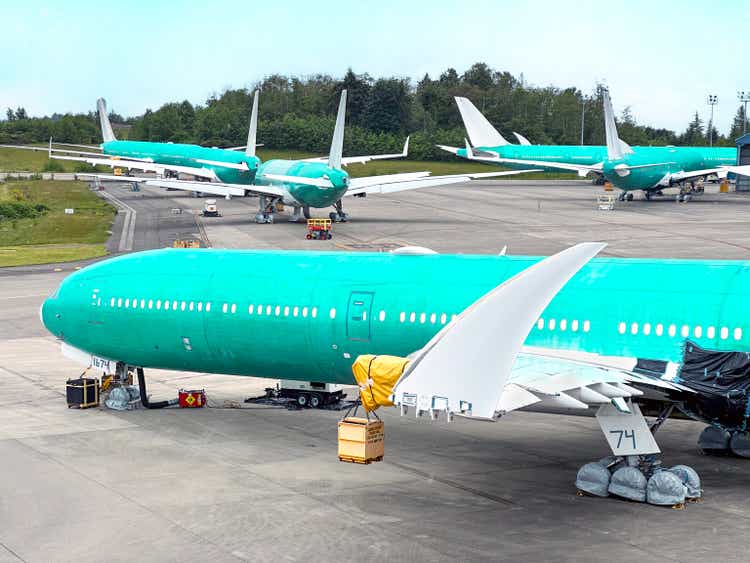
(724, 187)
(319, 229)
(184, 243)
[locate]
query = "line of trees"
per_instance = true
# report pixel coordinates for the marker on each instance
(298, 113)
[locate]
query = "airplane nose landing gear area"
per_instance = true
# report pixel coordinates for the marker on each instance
(639, 479)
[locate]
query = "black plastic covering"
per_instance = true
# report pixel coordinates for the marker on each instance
(650, 367)
(722, 382)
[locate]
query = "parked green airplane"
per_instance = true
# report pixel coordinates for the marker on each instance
(462, 319)
(319, 182)
(209, 164)
(629, 168)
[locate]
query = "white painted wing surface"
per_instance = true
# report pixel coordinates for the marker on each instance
(411, 181)
(464, 368)
(218, 188)
(142, 165)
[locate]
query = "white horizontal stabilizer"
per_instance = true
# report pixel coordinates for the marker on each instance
(464, 368)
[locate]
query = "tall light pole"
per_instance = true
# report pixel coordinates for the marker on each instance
(744, 97)
(583, 115)
(712, 101)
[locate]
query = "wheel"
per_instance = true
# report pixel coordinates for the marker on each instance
(333, 216)
(302, 400)
(308, 236)
(621, 197)
(343, 217)
(315, 401)
(330, 236)
(678, 198)
(269, 218)
(306, 211)
(687, 198)
(647, 195)
(629, 197)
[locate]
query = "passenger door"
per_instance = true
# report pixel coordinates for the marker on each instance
(358, 316)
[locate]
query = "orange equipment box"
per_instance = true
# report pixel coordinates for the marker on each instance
(360, 440)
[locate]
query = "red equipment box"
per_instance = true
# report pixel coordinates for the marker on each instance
(192, 399)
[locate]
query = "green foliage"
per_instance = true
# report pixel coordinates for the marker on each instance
(53, 166)
(20, 210)
(298, 114)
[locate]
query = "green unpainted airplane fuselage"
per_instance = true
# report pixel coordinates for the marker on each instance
(304, 194)
(668, 160)
(178, 154)
(191, 155)
(308, 315)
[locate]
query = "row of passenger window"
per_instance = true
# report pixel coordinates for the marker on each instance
(659, 329)
(563, 324)
(265, 310)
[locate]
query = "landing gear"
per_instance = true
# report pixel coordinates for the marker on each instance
(635, 471)
(338, 216)
(625, 196)
(297, 215)
(647, 195)
(717, 441)
(266, 210)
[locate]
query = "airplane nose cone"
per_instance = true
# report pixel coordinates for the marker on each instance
(51, 315)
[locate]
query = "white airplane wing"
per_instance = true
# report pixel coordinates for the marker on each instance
(364, 159)
(146, 166)
(719, 171)
(218, 188)
(415, 180)
(483, 342)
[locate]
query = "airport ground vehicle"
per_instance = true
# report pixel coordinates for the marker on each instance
(319, 229)
(210, 209)
(310, 393)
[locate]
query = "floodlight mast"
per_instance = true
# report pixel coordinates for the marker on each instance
(712, 101)
(744, 97)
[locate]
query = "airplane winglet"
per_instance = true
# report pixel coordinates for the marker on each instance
(482, 343)
(252, 132)
(521, 139)
(405, 152)
(107, 133)
(337, 143)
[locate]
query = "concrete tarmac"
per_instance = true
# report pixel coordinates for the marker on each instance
(238, 482)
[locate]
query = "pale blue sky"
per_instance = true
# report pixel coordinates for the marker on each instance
(660, 57)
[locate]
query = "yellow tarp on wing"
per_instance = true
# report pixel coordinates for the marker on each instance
(376, 376)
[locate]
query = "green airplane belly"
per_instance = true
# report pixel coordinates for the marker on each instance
(294, 315)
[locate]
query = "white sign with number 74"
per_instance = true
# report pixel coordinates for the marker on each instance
(626, 433)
